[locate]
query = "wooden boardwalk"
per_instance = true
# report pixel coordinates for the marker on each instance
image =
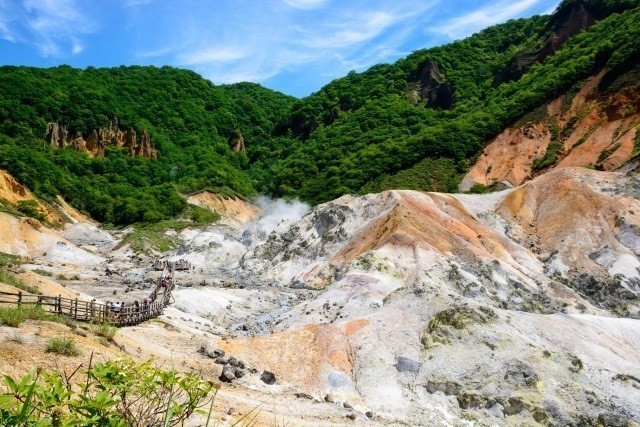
(93, 311)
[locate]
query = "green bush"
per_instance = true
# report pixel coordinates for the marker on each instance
(15, 315)
(550, 157)
(32, 209)
(116, 393)
(42, 272)
(12, 316)
(608, 152)
(478, 188)
(63, 346)
(11, 279)
(104, 330)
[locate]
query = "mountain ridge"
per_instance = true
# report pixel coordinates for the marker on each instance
(415, 124)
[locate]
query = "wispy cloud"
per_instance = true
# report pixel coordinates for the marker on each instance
(486, 16)
(133, 3)
(355, 31)
(213, 54)
(54, 27)
(6, 33)
(8, 14)
(262, 40)
(306, 4)
(283, 43)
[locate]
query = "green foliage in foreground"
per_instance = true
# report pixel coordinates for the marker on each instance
(117, 393)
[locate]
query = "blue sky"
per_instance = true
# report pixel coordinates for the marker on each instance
(294, 46)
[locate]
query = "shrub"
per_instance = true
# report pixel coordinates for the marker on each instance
(478, 188)
(119, 392)
(104, 330)
(607, 153)
(550, 157)
(64, 346)
(31, 208)
(12, 316)
(42, 272)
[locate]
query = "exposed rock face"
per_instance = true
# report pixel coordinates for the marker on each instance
(236, 142)
(513, 308)
(564, 25)
(234, 211)
(429, 85)
(11, 190)
(95, 143)
(303, 127)
(595, 127)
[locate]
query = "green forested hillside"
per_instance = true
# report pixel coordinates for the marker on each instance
(380, 138)
(188, 118)
(415, 124)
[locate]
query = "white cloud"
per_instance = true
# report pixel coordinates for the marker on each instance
(210, 55)
(54, 27)
(77, 48)
(8, 14)
(6, 33)
(257, 42)
(306, 4)
(479, 19)
(133, 3)
(352, 32)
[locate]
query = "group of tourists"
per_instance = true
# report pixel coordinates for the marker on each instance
(132, 313)
(181, 264)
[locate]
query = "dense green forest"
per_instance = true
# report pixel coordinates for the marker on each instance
(381, 139)
(188, 118)
(365, 132)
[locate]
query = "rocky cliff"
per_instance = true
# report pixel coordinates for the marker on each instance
(429, 85)
(138, 144)
(236, 142)
(593, 125)
(566, 23)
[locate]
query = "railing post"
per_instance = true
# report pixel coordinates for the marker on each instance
(19, 298)
(59, 305)
(39, 299)
(75, 311)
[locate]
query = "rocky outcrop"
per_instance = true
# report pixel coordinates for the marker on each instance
(595, 126)
(233, 210)
(236, 142)
(569, 21)
(429, 85)
(514, 308)
(11, 190)
(138, 144)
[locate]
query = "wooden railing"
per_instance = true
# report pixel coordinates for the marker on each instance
(92, 311)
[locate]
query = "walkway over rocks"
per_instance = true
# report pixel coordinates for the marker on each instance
(97, 312)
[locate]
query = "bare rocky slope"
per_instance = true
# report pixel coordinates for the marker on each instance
(593, 125)
(520, 307)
